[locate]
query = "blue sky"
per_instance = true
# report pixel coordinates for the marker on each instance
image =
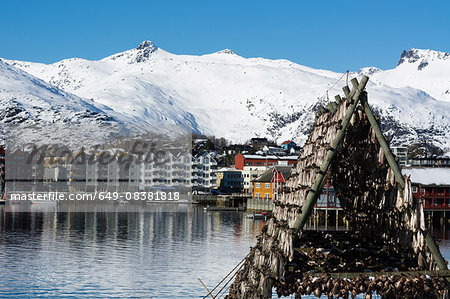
(335, 35)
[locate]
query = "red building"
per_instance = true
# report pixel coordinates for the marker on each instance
(241, 160)
(432, 185)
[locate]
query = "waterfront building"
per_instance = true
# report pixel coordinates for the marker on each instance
(432, 184)
(118, 171)
(204, 171)
(23, 172)
(2, 170)
(267, 187)
(432, 161)
(229, 180)
(269, 184)
(251, 173)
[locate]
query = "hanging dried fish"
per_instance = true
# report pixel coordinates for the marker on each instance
(386, 224)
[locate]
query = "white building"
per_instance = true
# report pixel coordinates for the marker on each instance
(402, 154)
(117, 171)
(204, 171)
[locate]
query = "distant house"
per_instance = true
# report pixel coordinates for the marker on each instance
(273, 150)
(288, 144)
(237, 148)
(258, 143)
(270, 183)
(200, 140)
(295, 150)
(262, 141)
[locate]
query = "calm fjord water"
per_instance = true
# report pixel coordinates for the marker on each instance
(152, 254)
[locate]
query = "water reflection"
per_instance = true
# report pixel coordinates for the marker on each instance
(149, 254)
(156, 253)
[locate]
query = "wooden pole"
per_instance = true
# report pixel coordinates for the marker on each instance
(383, 143)
(205, 287)
(440, 273)
(312, 196)
(434, 249)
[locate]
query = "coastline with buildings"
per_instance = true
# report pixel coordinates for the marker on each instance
(259, 171)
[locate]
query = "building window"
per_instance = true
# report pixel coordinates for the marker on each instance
(258, 185)
(414, 189)
(257, 195)
(267, 196)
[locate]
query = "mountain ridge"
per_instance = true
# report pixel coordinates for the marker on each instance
(234, 97)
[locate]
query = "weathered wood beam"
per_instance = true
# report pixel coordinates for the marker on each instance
(434, 249)
(439, 273)
(314, 194)
(383, 143)
(346, 91)
(338, 99)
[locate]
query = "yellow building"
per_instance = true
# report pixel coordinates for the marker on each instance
(266, 185)
(262, 189)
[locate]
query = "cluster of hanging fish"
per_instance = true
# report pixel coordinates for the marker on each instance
(345, 251)
(371, 199)
(395, 286)
(368, 193)
(321, 253)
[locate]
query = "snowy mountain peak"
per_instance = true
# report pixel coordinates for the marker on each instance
(423, 57)
(147, 45)
(139, 54)
(145, 49)
(227, 51)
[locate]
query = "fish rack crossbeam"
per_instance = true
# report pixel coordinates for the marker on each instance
(437, 273)
(347, 145)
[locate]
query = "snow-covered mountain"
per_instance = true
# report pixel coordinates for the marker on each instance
(34, 111)
(427, 70)
(238, 98)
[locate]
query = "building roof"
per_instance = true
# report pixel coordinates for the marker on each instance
(270, 157)
(228, 169)
(428, 175)
(287, 142)
(267, 176)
